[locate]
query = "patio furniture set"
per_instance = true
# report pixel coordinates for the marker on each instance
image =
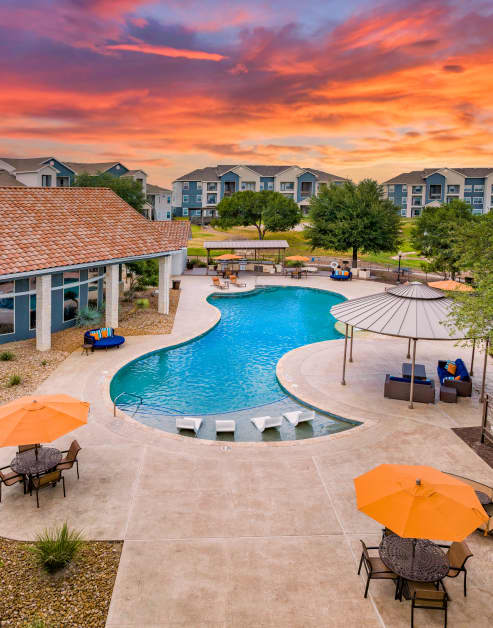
(454, 377)
(37, 467)
(414, 502)
(102, 338)
(261, 423)
(225, 285)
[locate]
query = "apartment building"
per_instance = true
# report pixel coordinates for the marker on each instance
(160, 201)
(197, 193)
(412, 191)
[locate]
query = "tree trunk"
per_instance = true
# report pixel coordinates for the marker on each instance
(355, 257)
(260, 233)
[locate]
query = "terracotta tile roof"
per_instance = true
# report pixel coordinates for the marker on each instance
(8, 179)
(177, 231)
(55, 227)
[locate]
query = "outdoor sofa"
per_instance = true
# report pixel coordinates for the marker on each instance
(341, 275)
(462, 385)
(400, 388)
(102, 338)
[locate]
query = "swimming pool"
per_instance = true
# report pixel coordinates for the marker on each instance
(232, 367)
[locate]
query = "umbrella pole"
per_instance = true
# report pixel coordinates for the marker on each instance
(36, 451)
(486, 347)
(408, 348)
(471, 371)
(343, 382)
(412, 375)
(351, 345)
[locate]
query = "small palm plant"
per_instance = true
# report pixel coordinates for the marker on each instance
(55, 548)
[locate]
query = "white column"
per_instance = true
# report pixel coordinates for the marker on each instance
(164, 281)
(112, 295)
(43, 313)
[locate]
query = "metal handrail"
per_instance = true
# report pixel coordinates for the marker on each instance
(130, 395)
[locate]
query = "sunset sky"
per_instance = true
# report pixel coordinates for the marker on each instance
(358, 88)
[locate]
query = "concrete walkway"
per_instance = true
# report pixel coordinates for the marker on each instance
(244, 534)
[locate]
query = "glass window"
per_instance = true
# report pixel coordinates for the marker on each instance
(248, 185)
(453, 189)
(417, 212)
(211, 199)
(417, 189)
(468, 188)
(404, 201)
(32, 304)
(262, 185)
(404, 190)
(186, 185)
(169, 199)
(93, 288)
(452, 198)
(185, 211)
(416, 200)
(212, 187)
(70, 295)
(391, 189)
(199, 198)
(270, 185)
(436, 191)
(199, 185)
(168, 215)
(46, 180)
(477, 200)
(287, 186)
(7, 308)
(403, 212)
(185, 198)
(478, 187)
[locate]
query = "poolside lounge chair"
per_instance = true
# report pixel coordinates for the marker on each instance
(463, 383)
(235, 282)
(487, 527)
(297, 416)
(217, 284)
(188, 423)
(225, 426)
(264, 422)
(341, 275)
(103, 338)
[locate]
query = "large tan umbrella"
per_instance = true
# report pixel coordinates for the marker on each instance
(450, 285)
(297, 258)
(227, 257)
(40, 419)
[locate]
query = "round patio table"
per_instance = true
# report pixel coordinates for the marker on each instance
(26, 462)
(429, 563)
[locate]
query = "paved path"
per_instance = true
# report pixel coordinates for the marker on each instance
(244, 535)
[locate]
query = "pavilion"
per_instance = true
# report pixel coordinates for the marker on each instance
(247, 246)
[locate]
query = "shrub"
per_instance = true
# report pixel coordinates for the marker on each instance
(44, 362)
(55, 548)
(88, 317)
(142, 304)
(201, 264)
(14, 380)
(37, 623)
(6, 356)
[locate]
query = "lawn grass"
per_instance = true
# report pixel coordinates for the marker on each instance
(298, 244)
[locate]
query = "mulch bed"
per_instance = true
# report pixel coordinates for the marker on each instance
(76, 597)
(472, 437)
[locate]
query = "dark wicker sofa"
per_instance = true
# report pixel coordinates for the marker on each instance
(400, 388)
(462, 385)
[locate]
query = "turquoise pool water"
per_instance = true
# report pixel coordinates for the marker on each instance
(232, 367)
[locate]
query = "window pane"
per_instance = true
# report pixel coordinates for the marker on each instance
(32, 311)
(7, 287)
(70, 303)
(7, 316)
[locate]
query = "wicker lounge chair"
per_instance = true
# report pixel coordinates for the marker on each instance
(458, 554)
(225, 426)
(400, 388)
(462, 385)
(53, 477)
(375, 567)
(297, 416)
(487, 527)
(188, 423)
(425, 595)
(264, 422)
(103, 338)
(71, 458)
(10, 478)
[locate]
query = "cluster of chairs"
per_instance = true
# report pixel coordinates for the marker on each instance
(422, 594)
(261, 423)
(42, 480)
(233, 279)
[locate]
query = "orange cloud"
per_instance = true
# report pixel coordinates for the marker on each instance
(166, 51)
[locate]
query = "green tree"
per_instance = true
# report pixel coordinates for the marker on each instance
(142, 274)
(434, 235)
(472, 312)
(354, 217)
(266, 210)
(126, 188)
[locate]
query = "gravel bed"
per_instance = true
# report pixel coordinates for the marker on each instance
(34, 367)
(76, 597)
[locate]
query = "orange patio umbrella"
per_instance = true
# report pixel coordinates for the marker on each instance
(227, 257)
(419, 502)
(40, 419)
(450, 285)
(297, 258)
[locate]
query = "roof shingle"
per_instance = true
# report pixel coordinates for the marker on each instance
(93, 169)
(42, 228)
(213, 173)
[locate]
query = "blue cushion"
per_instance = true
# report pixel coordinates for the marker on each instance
(408, 380)
(111, 341)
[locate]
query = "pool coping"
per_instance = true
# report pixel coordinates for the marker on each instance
(357, 426)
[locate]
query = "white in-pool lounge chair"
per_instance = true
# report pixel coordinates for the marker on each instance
(297, 416)
(188, 423)
(225, 426)
(264, 422)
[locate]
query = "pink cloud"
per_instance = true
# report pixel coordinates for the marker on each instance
(167, 51)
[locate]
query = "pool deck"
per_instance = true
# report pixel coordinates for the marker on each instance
(263, 534)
